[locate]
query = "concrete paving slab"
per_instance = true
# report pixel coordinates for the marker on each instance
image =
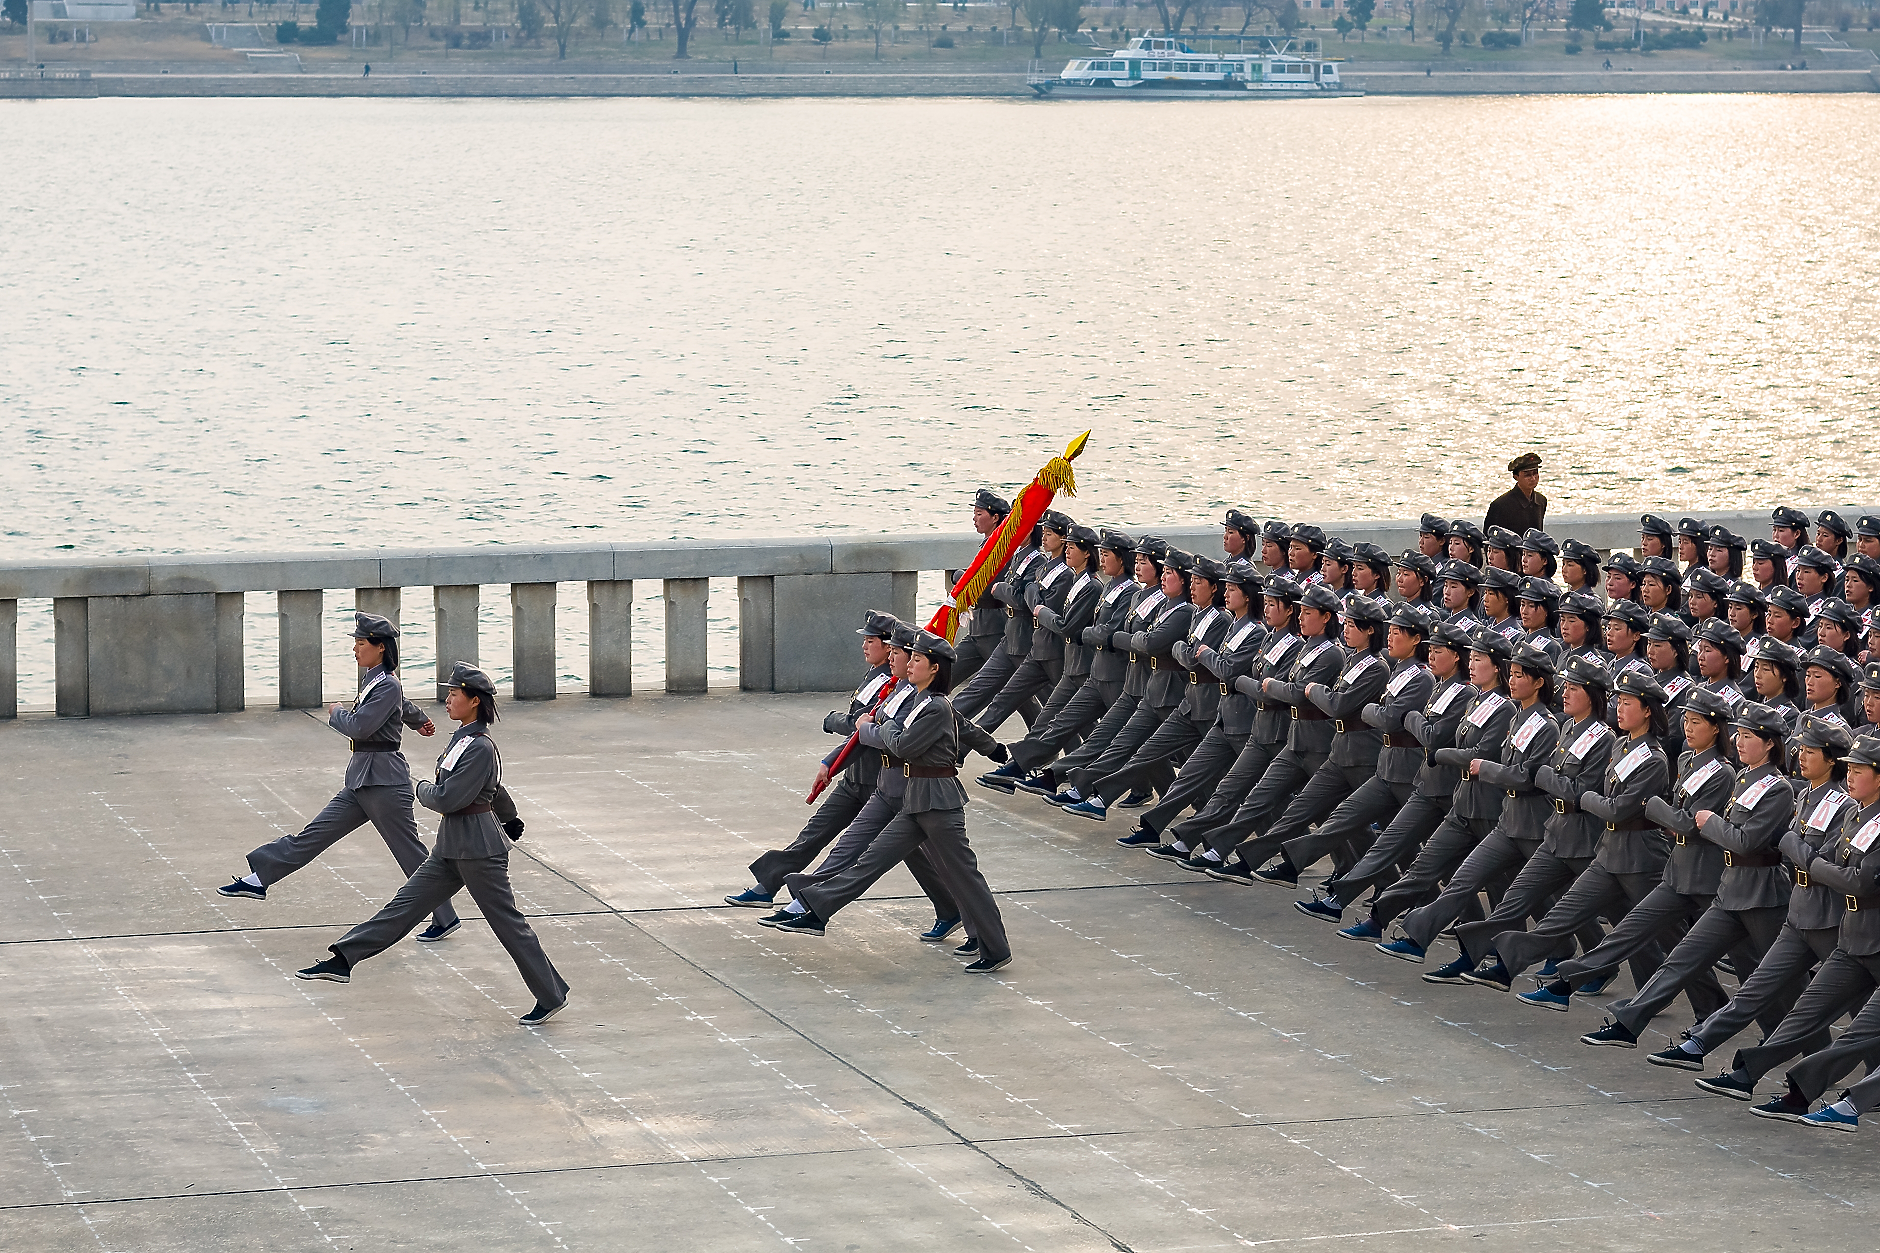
(1170, 1063)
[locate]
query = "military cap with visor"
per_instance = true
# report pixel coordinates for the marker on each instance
(1415, 619)
(1709, 582)
(1778, 654)
(1311, 536)
(1084, 537)
(1624, 563)
(1870, 677)
(1154, 547)
(1652, 524)
(1456, 570)
(878, 624)
(1418, 562)
(1243, 575)
(1868, 525)
(1434, 524)
(1496, 579)
(1721, 536)
(1241, 522)
(1276, 532)
(991, 502)
(1535, 540)
(905, 633)
(1864, 566)
(1582, 605)
(1641, 685)
(1466, 529)
(1501, 537)
(927, 644)
(1790, 517)
(1814, 558)
(1359, 608)
(1828, 735)
(1338, 550)
(370, 626)
(1118, 542)
(1208, 568)
(1663, 568)
(1052, 520)
(1788, 600)
(1831, 521)
(1668, 627)
(1176, 559)
(1579, 551)
(1866, 752)
(1631, 613)
(1835, 662)
(1492, 643)
(1721, 634)
(467, 678)
(1769, 550)
(1451, 635)
(1280, 587)
(1319, 596)
(1692, 528)
(1701, 700)
(1526, 461)
(1743, 592)
(1584, 671)
(1540, 591)
(1764, 721)
(1372, 555)
(1533, 658)
(1838, 611)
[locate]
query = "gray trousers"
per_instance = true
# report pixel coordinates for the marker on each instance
(1598, 892)
(1843, 983)
(1197, 779)
(1407, 825)
(1745, 934)
(1155, 763)
(1067, 728)
(1779, 979)
(843, 801)
(1241, 778)
(1649, 929)
(1496, 860)
(1328, 788)
(985, 685)
(1284, 776)
(1535, 890)
(970, 653)
(1131, 736)
(432, 884)
(1022, 692)
(942, 832)
(870, 823)
(388, 809)
(1437, 861)
(1108, 727)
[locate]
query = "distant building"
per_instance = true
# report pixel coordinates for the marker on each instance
(84, 10)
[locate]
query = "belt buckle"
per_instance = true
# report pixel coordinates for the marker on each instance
(1153, 663)
(1512, 793)
(1010, 612)
(1560, 806)
(1338, 725)
(1611, 827)
(1801, 878)
(1223, 689)
(1726, 858)
(907, 771)
(1193, 677)
(1294, 709)
(1853, 904)
(1132, 657)
(1678, 836)
(887, 762)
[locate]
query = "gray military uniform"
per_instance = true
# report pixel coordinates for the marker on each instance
(377, 790)
(1093, 699)
(1202, 772)
(472, 852)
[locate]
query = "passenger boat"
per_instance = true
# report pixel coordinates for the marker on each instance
(1165, 68)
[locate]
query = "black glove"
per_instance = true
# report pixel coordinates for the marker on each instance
(1000, 753)
(513, 829)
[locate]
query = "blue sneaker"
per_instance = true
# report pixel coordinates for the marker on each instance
(1069, 796)
(1829, 1116)
(1406, 948)
(1549, 972)
(1546, 998)
(1452, 973)
(1139, 838)
(1363, 929)
(941, 929)
(1004, 779)
(752, 898)
(1038, 783)
(1141, 798)
(1093, 809)
(1323, 910)
(1593, 987)
(1280, 873)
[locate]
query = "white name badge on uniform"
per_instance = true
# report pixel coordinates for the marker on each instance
(1868, 833)
(893, 704)
(1313, 656)
(1587, 741)
(371, 683)
(1825, 811)
(1732, 695)
(1234, 641)
(1696, 778)
(1675, 685)
(1442, 703)
(1757, 790)
(1053, 576)
(1491, 701)
(1279, 648)
(1633, 760)
(871, 689)
(455, 755)
(1402, 680)
(915, 712)
(1530, 729)
(1083, 581)
(1357, 668)
(1122, 585)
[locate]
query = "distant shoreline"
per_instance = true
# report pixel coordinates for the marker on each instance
(396, 82)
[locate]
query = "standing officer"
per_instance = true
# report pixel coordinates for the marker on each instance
(378, 779)
(1522, 506)
(980, 634)
(851, 791)
(472, 852)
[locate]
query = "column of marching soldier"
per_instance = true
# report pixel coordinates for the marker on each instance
(1670, 763)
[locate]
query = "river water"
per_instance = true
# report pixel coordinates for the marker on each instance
(278, 324)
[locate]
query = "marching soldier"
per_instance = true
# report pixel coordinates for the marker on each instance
(378, 779)
(984, 627)
(1044, 592)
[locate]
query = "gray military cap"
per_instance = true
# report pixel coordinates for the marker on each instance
(369, 626)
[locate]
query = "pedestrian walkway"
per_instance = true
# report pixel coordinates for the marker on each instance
(1170, 1063)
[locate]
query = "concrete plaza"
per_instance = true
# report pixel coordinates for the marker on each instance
(1170, 1063)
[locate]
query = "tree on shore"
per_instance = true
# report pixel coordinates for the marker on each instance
(1361, 12)
(882, 16)
(1044, 15)
(564, 16)
(1451, 12)
(1781, 15)
(1289, 17)
(14, 11)
(684, 14)
(1588, 16)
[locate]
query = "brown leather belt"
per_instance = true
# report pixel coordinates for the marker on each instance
(1398, 739)
(481, 807)
(1309, 713)
(380, 747)
(1631, 824)
(1798, 876)
(929, 772)
(1751, 859)
(1857, 903)
(890, 762)
(1565, 807)
(1515, 794)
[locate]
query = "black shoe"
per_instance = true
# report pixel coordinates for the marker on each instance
(1141, 837)
(941, 929)
(1233, 870)
(986, 965)
(775, 920)
(1490, 974)
(1198, 861)
(1038, 783)
(1168, 852)
(433, 933)
(1727, 1084)
(1142, 798)
(805, 923)
(1614, 1035)
(999, 781)
(1324, 910)
(241, 887)
(335, 969)
(1791, 1106)
(542, 1013)
(1677, 1059)
(1281, 873)
(968, 949)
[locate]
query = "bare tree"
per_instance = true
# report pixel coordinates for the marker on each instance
(684, 14)
(1451, 13)
(1529, 11)
(564, 16)
(881, 16)
(1173, 25)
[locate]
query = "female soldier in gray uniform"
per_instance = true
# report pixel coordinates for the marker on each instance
(472, 852)
(378, 779)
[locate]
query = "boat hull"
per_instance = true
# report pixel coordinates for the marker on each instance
(1058, 89)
